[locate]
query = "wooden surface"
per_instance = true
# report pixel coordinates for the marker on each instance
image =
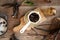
(12, 22)
(22, 10)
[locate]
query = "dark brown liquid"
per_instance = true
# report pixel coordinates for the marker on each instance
(34, 17)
